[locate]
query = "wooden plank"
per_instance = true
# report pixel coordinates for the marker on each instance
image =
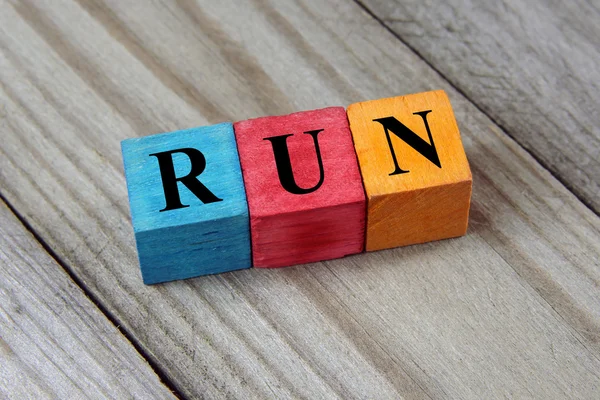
(531, 66)
(510, 310)
(54, 342)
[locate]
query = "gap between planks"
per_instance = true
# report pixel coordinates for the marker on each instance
(109, 316)
(563, 180)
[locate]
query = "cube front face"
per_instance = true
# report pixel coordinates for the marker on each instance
(414, 169)
(188, 203)
(304, 189)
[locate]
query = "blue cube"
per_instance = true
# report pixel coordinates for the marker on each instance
(188, 203)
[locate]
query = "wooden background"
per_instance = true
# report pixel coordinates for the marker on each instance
(512, 310)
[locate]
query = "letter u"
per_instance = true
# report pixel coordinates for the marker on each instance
(284, 164)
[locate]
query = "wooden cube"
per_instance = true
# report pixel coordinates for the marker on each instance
(188, 204)
(304, 189)
(414, 169)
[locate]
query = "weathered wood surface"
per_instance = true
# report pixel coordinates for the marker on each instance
(510, 310)
(532, 66)
(54, 342)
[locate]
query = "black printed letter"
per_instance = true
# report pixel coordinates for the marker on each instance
(284, 165)
(412, 139)
(169, 180)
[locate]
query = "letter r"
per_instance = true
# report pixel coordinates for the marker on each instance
(169, 179)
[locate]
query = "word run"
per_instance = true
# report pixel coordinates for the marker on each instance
(309, 186)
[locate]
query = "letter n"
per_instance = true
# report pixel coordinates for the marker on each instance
(427, 150)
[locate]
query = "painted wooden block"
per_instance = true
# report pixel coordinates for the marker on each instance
(414, 169)
(304, 189)
(188, 204)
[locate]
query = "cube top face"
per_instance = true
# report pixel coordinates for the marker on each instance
(207, 154)
(280, 161)
(392, 159)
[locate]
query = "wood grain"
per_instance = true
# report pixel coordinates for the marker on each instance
(54, 342)
(532, 67)
(414, 169)
(510, 310)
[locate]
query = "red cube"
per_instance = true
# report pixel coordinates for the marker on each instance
(305, 193)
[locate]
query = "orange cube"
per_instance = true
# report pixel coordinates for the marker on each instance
(414, 169)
